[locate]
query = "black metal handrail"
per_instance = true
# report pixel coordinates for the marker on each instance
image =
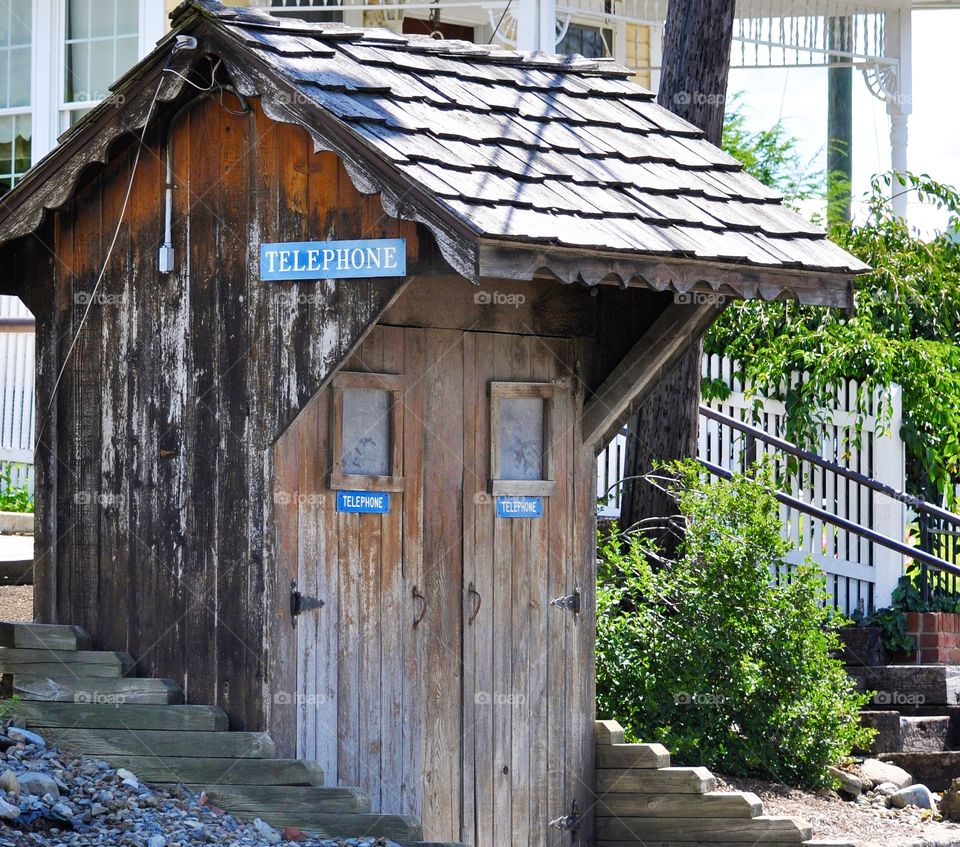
(850, 526)
(939, 528)
(917, 503)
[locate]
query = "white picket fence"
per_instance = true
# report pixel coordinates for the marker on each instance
(17, 372)
(860, 573)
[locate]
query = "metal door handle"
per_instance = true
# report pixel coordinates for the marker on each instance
(423, 609)
(474, 593)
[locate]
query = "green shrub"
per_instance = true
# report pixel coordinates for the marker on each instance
(13, 498)
(709, 656)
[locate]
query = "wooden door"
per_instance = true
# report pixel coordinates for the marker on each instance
(401, 688)
(525, 694)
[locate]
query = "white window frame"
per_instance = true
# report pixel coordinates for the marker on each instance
(24, 111)
(48, 66)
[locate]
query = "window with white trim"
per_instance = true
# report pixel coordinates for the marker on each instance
(591, 42)
(101, 42)
(16, 32)
(308, 10)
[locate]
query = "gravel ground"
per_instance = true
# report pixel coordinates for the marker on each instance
(49, 798)
(835, 819)
(16, 602)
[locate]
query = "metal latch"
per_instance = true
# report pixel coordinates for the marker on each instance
(300, 603)
(568, 823)
(570, 603)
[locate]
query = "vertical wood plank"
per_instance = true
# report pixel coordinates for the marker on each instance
(414, 640)
(442, 582)
(484, 765)
(203, 531)
(515, 698)
(391, 609)
(472, 484)
(371, 647)
(502, 597)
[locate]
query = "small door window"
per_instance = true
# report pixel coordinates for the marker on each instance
(367, 432)
(520, 454)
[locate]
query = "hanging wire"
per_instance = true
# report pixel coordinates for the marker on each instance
(496, 29)
(113, 244)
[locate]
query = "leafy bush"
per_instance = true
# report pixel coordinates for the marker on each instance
(13, 498)
(711, 657)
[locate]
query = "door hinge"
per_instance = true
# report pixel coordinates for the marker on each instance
(570, 822)
(300, 603)
(570, 603)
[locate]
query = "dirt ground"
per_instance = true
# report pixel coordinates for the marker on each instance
(16, 602)
(834, 819)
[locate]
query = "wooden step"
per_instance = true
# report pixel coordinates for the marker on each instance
(773, 829)
(716, 804)
(651, 781)
(14, 658)
(212, 773)
(401, 828)
(154, 742)
(39, 715)
(632, 756)
(43, 636)
(63, 670)
(124, 690)
(278, 804)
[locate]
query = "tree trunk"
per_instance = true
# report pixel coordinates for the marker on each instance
(693, 85)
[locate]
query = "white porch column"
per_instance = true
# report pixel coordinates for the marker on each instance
(46, 86)
(537, 26)
(900, 101)
(889, 516)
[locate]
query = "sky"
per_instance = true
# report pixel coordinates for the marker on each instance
(798, 96)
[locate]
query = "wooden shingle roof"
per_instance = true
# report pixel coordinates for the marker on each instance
(523, 164)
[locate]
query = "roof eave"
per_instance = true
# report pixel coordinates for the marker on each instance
(502, 259)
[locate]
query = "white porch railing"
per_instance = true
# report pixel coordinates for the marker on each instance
(16, 395)
(860, 573)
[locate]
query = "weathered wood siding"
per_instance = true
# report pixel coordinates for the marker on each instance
(154, 457)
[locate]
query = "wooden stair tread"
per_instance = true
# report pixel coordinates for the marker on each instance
(212, 773)
(154, 742)
(14, 656)
(401, 828)
(44, 636)
(279, 802)
(39, 714)
(64, 670)
(715, 804)
(632, 756)
(654, 781)
(123, 690)
(774, 829)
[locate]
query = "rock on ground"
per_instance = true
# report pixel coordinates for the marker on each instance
(913, 795)
(877, 772)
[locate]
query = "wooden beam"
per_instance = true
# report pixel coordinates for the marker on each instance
(621, 392)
